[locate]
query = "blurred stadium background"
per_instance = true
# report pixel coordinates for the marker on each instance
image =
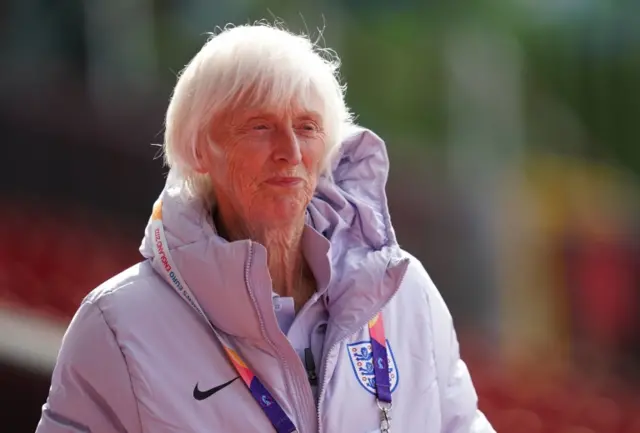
(513, 128)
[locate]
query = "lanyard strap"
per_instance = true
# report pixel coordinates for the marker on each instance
(381, 371)
(278, 418)
(380, 359)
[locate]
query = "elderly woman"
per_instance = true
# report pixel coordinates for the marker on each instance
(274, 295)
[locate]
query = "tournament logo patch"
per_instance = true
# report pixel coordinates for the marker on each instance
(361, 357)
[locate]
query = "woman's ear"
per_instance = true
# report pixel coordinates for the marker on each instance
(201, 157)
(208, 155)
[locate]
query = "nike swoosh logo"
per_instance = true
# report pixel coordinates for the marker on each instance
(201, 395)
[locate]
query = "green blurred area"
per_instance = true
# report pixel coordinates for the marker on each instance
(578, 57)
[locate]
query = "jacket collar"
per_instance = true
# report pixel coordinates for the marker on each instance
(348, 242)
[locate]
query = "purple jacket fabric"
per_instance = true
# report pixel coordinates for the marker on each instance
(135, 350)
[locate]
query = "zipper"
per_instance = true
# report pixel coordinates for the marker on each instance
(342, 339)
(310, 366)
(295, 381)
(303, 388)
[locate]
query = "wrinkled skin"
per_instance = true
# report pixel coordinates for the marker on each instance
(254, 146)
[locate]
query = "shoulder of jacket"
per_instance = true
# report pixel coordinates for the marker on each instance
(440, 319)
(126, 285)
(420, 284)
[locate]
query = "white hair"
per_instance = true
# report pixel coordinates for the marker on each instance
(266, 64)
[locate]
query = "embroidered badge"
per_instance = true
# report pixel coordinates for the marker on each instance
(361, 357)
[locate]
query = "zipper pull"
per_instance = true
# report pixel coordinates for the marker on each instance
(310, 366)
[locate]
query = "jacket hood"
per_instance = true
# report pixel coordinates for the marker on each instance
(349, 212)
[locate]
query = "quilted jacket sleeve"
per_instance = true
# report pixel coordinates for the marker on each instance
(459, 401)
(90, 388)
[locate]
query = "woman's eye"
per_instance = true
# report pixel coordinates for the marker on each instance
(308, 127)
(260, 127)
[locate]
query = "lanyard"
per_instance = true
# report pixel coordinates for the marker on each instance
(278, 418)
(274, 412)
(381, 371)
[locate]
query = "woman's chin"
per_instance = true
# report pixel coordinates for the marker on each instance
(282, 213)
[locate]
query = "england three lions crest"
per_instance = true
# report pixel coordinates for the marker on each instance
(361, 357)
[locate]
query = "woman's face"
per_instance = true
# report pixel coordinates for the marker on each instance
(265, 165)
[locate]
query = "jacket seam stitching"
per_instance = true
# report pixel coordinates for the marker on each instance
(124, 359)
(435, 356)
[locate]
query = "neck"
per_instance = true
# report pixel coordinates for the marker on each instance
(285, 260)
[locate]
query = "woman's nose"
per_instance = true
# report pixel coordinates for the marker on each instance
(287, 147)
